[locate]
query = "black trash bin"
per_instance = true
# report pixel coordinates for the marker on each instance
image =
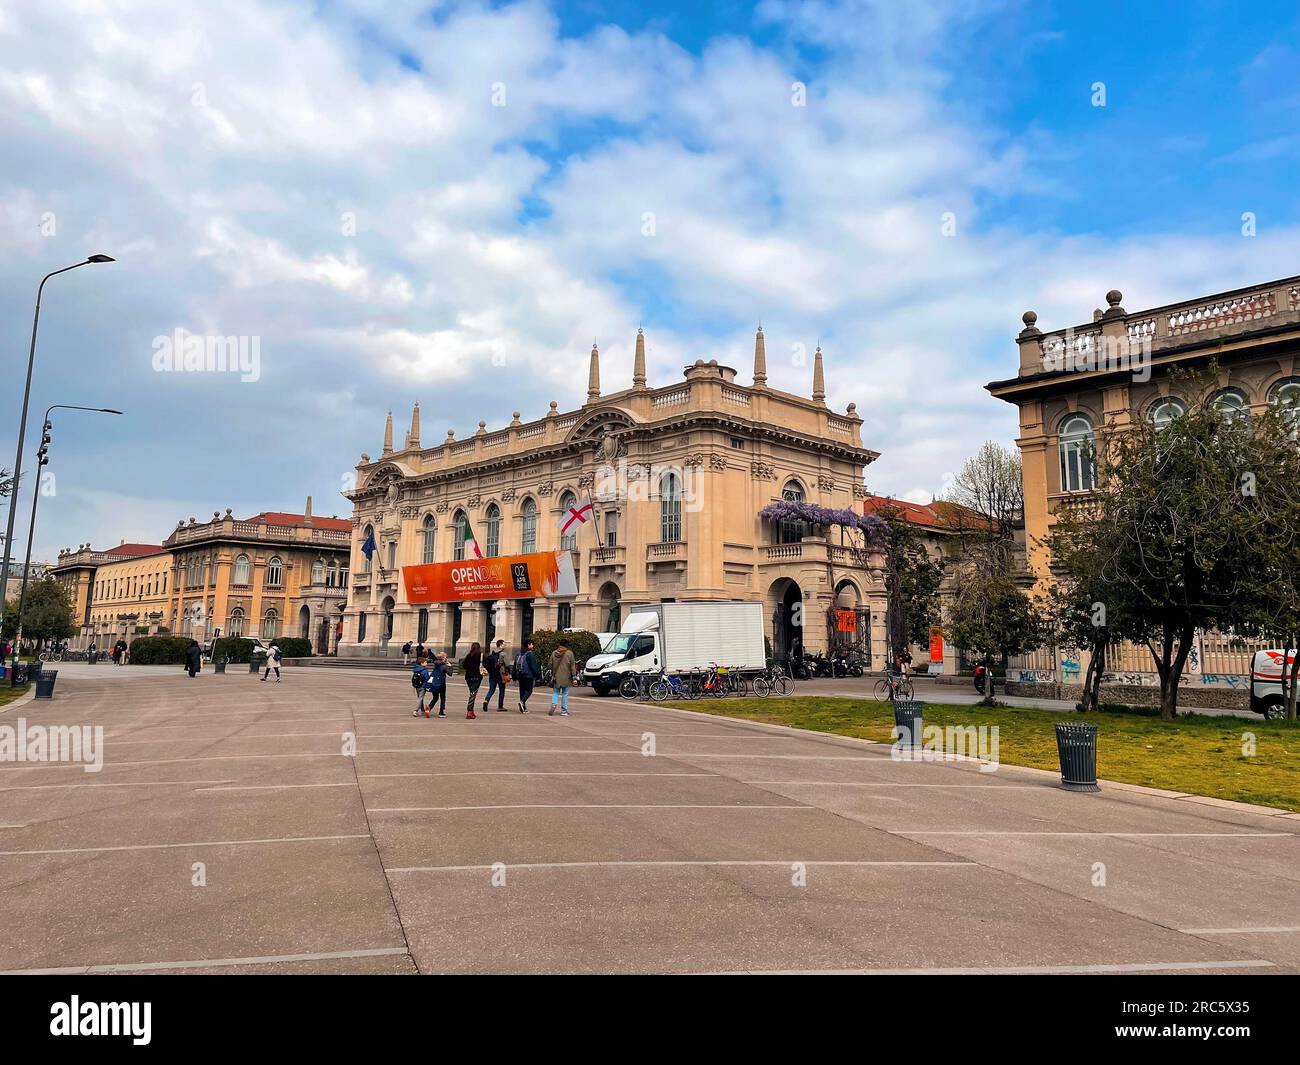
(18, 675)
(907, 719)
(255, 663)
(1076, 743)
(34, 668)
(219, 665)
(45, 683)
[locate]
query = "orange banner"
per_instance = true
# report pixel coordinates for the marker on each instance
(503, 577)
(846, 621)
(936, 643)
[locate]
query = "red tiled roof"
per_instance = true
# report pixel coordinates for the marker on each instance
(937, 514)
(276, 517)
(134, 550)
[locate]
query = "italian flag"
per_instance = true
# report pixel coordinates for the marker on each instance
(467, 535)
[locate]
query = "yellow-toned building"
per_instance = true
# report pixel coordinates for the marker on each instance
(115, 592)
(1076, 382)
(274, 574)
(678, 474)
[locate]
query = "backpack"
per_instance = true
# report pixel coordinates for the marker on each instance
(521, 664)
(416, 683)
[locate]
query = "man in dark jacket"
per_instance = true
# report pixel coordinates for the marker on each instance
(528, 671)
(193, 658)
(496, 664)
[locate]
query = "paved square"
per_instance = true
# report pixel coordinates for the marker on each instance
(229, 832)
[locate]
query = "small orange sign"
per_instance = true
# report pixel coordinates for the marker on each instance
(846, 621)
(503, 577)
(936, 643)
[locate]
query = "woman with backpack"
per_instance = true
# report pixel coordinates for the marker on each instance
(473, 667)
(528, 671)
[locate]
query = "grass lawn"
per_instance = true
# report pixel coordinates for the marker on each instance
(1195, 754)
(8, 694)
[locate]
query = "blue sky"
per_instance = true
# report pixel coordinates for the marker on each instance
(217, 151)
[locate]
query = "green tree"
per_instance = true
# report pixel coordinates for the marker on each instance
(1180, 533)
(47, 613)
(912, 580)
(991, 614)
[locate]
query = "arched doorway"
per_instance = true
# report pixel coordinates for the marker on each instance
(786, 599)
(304, 623)
(611, 616)
(387, 630)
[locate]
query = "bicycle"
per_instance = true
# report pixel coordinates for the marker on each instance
(773, 681)
(893, 687)
(672, 686)
(633, 686)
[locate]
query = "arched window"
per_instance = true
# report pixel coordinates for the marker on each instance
(529, 544)
(361, 627)
(568, 540)
(235, 623)
(1163, 411)
(1286, 394)
(274, 572)
(318, 572)
(792, 531)
(1231, 403)
(1077, 445)
(427, 532)
(270, 624)
(367, 536)
(493, 531)
(458, 542)
(670, 508)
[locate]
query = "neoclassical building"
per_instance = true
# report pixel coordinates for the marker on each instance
(1080, 381)
(678, 474)
(274, 574)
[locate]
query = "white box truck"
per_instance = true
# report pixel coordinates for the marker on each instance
(678, 637)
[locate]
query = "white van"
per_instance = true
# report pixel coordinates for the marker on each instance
(1266, 682)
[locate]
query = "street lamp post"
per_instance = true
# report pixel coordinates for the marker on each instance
(42, 459)
(22, 423)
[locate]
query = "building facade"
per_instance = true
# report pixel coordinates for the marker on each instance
(1076, 382)
(677, 474)
(274, 574)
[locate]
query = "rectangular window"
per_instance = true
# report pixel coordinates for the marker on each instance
(611, 528)
(392, 554)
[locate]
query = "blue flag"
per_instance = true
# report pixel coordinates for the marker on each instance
(368, 548)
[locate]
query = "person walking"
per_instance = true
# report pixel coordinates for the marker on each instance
(420, 653)
(406, 653)
(528, 671)
(273, 656)
(473, 667)
(420, 681)
(563, 668)
(193, 658)
(498, 674)
(437, 689)
(91, 652)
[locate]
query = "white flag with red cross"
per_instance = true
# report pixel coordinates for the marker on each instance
(576, 516)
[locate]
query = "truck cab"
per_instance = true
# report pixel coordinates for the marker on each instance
(635, 650)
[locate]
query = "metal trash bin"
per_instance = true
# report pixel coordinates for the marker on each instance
(907, 721)
(219, 665)
(1076, 744)
(34, 668)
(45, 683)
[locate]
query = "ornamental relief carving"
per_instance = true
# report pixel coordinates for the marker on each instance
(509, 495)
(694, 460)
(474, 502)
(826, 484)
(859, 491)
(442, 507)
(410, 512)
(718, 462)
(587, 480)
(763, 471)
(546, 488)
